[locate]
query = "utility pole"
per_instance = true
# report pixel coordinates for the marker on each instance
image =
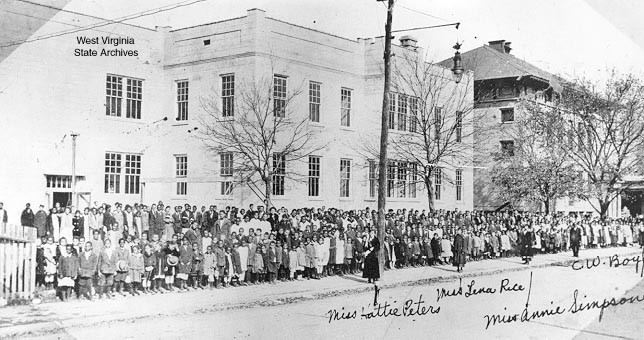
(384, 135)
(74, 196)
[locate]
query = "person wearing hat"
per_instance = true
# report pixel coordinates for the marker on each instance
(172, 261)
(106, 269)
(459, 251)
(122, 267)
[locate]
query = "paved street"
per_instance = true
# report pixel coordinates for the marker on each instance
(303, 307)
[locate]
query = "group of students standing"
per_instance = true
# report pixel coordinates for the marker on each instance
(136, 249)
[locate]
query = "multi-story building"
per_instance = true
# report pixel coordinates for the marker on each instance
(138, 110)
(500, 80)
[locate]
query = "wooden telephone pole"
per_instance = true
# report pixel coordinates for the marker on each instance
(384, 135)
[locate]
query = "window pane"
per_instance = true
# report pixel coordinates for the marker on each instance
(228, 95)
(182, 100)
(345, 100)
(314, 101)
(279, 96)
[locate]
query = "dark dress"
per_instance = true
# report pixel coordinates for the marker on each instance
(459, 250)
(527, 240)
(371, 266)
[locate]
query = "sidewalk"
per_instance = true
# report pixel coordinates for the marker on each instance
(54, 317)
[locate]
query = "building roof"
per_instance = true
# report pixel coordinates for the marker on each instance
(489, 63)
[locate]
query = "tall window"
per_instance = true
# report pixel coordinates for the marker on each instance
(459, 126)
(226, 172)
(314, 101)
(279, 96)
(345, 177)
(279, 174)
(459, 184)
(228, 95)
(345, 101)
(132, 174)
(507, 147)
(391, 179)
(402, 179)
(112, 173)
(182, 100)
(314, 176)
(181, 173)
(438, 181)
(438, 122)
(134, 97)
(402, 112)
(413, 113)
(114, 95)
(114, 170)
(373, 178)
(392, 111)
(413, 170)
(507, 115)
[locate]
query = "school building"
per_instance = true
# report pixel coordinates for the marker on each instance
(131, 100)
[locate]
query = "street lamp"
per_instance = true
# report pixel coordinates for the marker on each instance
(457, 70)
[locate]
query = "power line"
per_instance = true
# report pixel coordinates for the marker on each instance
(58, 22)
(64, 10)
(423, 13)
(106, 22)
(457, 24)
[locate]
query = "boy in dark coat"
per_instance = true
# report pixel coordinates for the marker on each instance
(88, 266)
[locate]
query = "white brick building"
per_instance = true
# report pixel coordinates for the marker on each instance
(136, 115)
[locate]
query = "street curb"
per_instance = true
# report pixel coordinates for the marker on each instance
(52, 327)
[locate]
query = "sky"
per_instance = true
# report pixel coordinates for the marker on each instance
(571, 38)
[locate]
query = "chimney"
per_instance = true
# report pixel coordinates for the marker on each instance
(501, 46)
(408, 42)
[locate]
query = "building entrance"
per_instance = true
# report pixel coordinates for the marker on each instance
(64, 198)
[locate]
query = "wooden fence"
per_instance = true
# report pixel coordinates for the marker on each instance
(17, 262)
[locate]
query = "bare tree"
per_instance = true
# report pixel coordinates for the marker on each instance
(431, 125)
(602, 127)
(257, 127)
(537, 168)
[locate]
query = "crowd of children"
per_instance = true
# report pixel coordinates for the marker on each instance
(149, 250)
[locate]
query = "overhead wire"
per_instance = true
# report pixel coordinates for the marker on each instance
(107, 22)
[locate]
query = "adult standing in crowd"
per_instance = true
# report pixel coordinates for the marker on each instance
(371, 266)
(527, 242)
(27, 217)
(459, 251)
(40, 222)
(575, 239)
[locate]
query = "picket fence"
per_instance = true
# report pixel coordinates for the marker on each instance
(17, 262)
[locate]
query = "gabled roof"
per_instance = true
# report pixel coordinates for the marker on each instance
(488, 63)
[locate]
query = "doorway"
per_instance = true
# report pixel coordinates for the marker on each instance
(64, 198)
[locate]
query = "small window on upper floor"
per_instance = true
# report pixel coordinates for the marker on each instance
(507, 115)
(206, 42)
